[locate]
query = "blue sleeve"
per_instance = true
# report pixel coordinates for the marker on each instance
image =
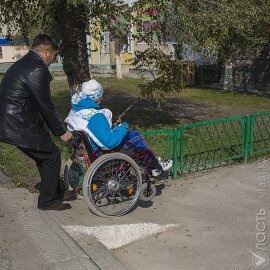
(108, 137)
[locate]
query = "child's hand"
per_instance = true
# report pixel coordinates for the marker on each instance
(124, 124)
(117, 122)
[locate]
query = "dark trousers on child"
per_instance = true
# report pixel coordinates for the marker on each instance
(153, 163)
(134, 142)
(49, 165)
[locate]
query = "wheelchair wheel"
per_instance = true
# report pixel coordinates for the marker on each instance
(112, 185)
(73, 177)
(148, 192)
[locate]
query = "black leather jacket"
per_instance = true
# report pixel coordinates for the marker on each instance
(26, 109)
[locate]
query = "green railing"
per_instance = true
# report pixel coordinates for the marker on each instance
(259, 133)
(217, 142)
(160, 141)
(208, 143)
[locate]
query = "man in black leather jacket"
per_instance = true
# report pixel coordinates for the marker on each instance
(27, 114)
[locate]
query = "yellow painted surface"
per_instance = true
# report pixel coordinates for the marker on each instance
(127, 58)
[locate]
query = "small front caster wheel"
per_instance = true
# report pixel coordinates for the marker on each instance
(148, 192)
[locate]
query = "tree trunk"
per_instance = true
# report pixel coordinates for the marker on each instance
(72, 25)
(117, 45)
(228, 75)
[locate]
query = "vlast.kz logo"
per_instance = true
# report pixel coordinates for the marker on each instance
(260, 259)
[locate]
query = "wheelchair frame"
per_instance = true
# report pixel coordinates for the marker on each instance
(124, 183)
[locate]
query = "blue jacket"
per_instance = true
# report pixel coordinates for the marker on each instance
(87, 116)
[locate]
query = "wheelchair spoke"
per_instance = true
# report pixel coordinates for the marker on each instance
(121, 165)
(123, 176)
(121, 196)
(101, 175)
(114, 185)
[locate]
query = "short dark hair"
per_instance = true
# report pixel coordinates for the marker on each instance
(46, 40)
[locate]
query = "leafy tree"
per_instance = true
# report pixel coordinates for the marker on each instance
(70, 20)
(170, 75)
(66, 20)
(117, 22)
(224, 26)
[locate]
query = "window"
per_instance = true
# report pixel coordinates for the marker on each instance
(1, 53)
(126, 42)
(106, 42)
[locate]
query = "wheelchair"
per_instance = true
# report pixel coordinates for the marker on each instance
(110, 182)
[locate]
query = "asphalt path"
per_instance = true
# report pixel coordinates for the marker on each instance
(218, 219)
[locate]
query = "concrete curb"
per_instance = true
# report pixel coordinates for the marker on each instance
(96, 251)
(102, 256)
(52, 244)
(39, 235)
(55, 244)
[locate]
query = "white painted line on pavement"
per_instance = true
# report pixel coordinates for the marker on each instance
(115, 236)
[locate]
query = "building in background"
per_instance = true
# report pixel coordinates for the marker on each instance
(12, 50)
(102, 57)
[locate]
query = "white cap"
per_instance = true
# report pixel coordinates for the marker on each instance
(93, 89)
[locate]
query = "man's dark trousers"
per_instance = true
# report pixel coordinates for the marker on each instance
(49, 165)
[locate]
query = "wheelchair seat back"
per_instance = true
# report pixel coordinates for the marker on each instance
(81, 144)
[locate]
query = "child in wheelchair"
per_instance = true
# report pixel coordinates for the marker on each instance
(86, 115)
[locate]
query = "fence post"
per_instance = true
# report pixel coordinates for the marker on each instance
(246, 137)
(182, 139)
(170, 134)
(175, 132)
(251, 135)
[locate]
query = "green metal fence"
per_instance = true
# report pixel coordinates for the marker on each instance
(259, 133)
(213, 142)
(217, 142)
(160, 141)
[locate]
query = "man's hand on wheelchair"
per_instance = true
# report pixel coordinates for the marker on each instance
(67, 136)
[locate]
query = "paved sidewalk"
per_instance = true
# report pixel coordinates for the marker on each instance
(31, 239)
(216, 216)
(220, 217)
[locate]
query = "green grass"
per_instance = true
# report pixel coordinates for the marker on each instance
(15, 165)
(189, 106)
(226, 99)
(119, 94)
(124, 86)
(60, 97)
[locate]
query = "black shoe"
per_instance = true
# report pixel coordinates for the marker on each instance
(56, 205)
(69, 196)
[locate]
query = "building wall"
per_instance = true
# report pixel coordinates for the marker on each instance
(251, 72)
(101, 57)
(103, 53)
(11, 54)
